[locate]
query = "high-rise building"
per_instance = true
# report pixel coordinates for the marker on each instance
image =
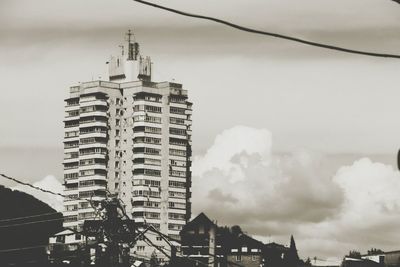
(129, 136)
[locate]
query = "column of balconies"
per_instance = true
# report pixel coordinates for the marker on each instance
(147, 130)
(92, 180)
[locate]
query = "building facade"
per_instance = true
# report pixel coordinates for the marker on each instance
(204, 243)
(129, 136)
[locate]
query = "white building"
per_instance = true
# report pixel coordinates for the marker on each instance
(130, 136)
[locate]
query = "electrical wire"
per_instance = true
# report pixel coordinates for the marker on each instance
(42, 189)
(32, 186)
(26, 217)
(276, 35)
(35, 222)
(24, 248)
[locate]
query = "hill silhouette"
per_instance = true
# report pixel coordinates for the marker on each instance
(23, 241)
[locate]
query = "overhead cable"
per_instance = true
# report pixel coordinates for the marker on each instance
(276, 35)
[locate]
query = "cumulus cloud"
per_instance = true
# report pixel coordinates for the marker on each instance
(240, 180)
(48, 183)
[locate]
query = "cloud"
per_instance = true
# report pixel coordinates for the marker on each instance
(274, 196)
(48, 183)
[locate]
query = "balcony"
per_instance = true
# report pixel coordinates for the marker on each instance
(93, 123)
(97, 102)
(93, 155)
(98, 113)
(94, 134)
(93, 145)
(97, 166)
(98, 177)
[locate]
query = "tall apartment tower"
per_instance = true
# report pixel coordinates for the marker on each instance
(129, 136)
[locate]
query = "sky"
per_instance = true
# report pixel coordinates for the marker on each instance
(313, 132)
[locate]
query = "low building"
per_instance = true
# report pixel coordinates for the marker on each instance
(204, 243)
(65, 247)
(198, 242)
(392, 258)
(245, 251)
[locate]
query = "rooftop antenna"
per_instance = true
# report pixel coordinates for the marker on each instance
(129, 35)
(133, 47)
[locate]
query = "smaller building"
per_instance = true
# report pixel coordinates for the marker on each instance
(392, 258)
(198, 242)
(245, 251)
(206, 244)
(65, 247)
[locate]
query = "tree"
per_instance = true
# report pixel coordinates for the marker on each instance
(236, 230)
(153, 259)
(375, 251)
(291, 257)
(354, 254)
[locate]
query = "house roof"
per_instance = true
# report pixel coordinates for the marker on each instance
(201, 219)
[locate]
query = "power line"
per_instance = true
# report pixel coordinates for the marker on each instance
(35, 222)
(26, 217)
(24, 248)
(32, 186)
(276, 35)
(42, 189)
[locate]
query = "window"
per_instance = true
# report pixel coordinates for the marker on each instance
(176, 120)
(177, 142)
(147, 172)
(177, 131)
(178, 163)
(176, 216)
(152, 130)
(71, 165)
(90, 130)
(73, 102)
(147, 129)
(147, 97)
(70, 176)
(147, 140)
(147, 108)
(177, 99)
(71, 144)
(97, 150)
(146, 182)
(152, 151)
(73, 113)
(140, 248)
(177, 184)
(71, 207)
(177, 173)
(147, 161)
(137, 193)
(176, 110)
(72, 218)
(176, 227)
(177, 205)
(177, 194)
(72, 155)
(73, 123)
(147, 118)
(238, 257)
(71, 134)
(177, 152)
